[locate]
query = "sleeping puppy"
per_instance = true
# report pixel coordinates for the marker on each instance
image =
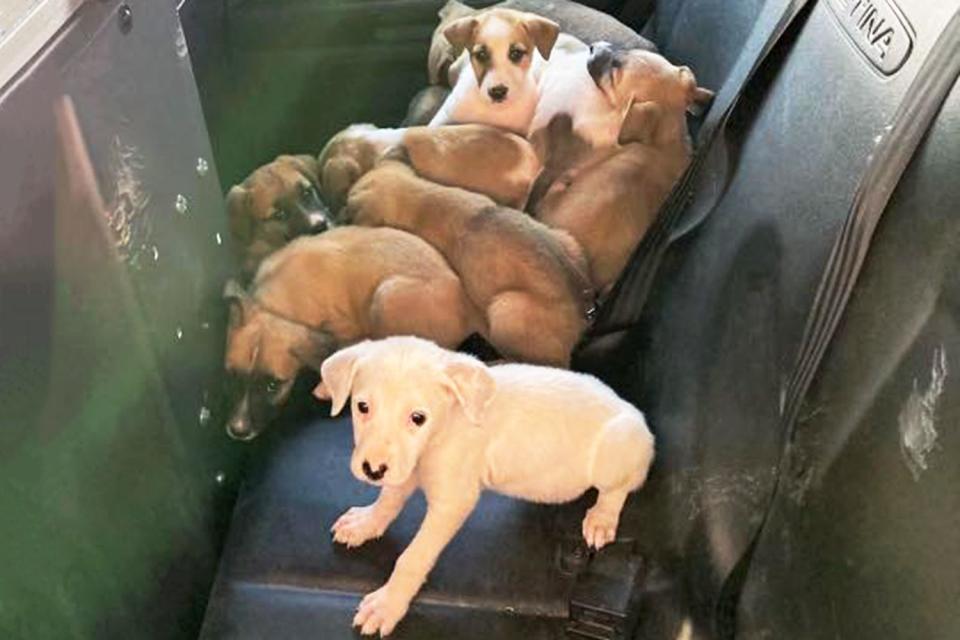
(608, 202)
(427, 418)
(273, 205)
(324, 292)
(529, 281)
(480, 158)
(595, 86)
(506, 51)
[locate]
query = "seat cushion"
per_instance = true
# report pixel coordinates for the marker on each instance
(281, 575)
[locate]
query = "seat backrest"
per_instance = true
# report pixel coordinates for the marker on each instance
(719, 337)
(705, 34)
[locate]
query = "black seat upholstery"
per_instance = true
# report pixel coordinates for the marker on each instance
(281, 576)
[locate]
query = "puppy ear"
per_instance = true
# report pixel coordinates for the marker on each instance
(641, 123)
(338, 175)
(241, 225)
(471, 384)
(314, 348)
(698, 98)
(460, 32)
(239, 301)
(543, 32)
(307, 166)
(337, 373)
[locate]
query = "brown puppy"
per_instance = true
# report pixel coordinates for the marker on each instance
(529, 281)
(609, 201)
(321, 293)
(273, 205)
(480, 158)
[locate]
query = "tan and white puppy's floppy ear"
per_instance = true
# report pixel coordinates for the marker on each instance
(471, 384)
(460, 33)
(543, 32)
(698, 98)
(338, 371)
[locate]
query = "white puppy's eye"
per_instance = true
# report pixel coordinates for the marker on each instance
(418, 418)
(481, 55)
(516, 54)
(363, 407)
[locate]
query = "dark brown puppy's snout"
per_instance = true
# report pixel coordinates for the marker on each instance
(498, 93)
(240, 428)
(374, 474)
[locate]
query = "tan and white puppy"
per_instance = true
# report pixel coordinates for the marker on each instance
(506, 51)
(448, 424)
(483, 159)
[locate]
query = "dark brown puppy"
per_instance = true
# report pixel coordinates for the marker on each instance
(528, 280)
(276, 203)
(324, 292)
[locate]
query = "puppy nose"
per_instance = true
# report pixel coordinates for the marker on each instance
(239, 428)
(498, 93)
(374, 474)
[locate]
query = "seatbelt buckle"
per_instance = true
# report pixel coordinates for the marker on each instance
(604, 604)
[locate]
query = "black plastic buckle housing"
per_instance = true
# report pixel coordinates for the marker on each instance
(604, 604)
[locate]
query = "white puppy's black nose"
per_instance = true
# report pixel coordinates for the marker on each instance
(498, 93)
(373, 474)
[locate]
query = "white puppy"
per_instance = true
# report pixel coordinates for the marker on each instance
(498, 74)
(445, 422)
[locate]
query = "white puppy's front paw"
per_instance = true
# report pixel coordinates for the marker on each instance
(380, 611)
(600, 527)
(356, 526)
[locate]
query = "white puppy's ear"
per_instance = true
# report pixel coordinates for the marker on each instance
(338, 371)
(459, 33)
(471, 384)
(543, 32)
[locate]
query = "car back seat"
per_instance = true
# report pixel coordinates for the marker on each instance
(709, 362)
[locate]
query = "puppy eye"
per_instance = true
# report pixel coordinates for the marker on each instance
(306, 189)
(279, 214)
(418, 418)
(363, 407)
(481, 55)
(516, 54)
(272, 385)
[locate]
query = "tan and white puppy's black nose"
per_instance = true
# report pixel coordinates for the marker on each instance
(374, 474)
(498, 93)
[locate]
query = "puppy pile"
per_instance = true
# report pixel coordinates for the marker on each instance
(506, 209)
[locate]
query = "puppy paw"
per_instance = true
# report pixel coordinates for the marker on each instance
(356, 526)
(600, 527)
(380, 611)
